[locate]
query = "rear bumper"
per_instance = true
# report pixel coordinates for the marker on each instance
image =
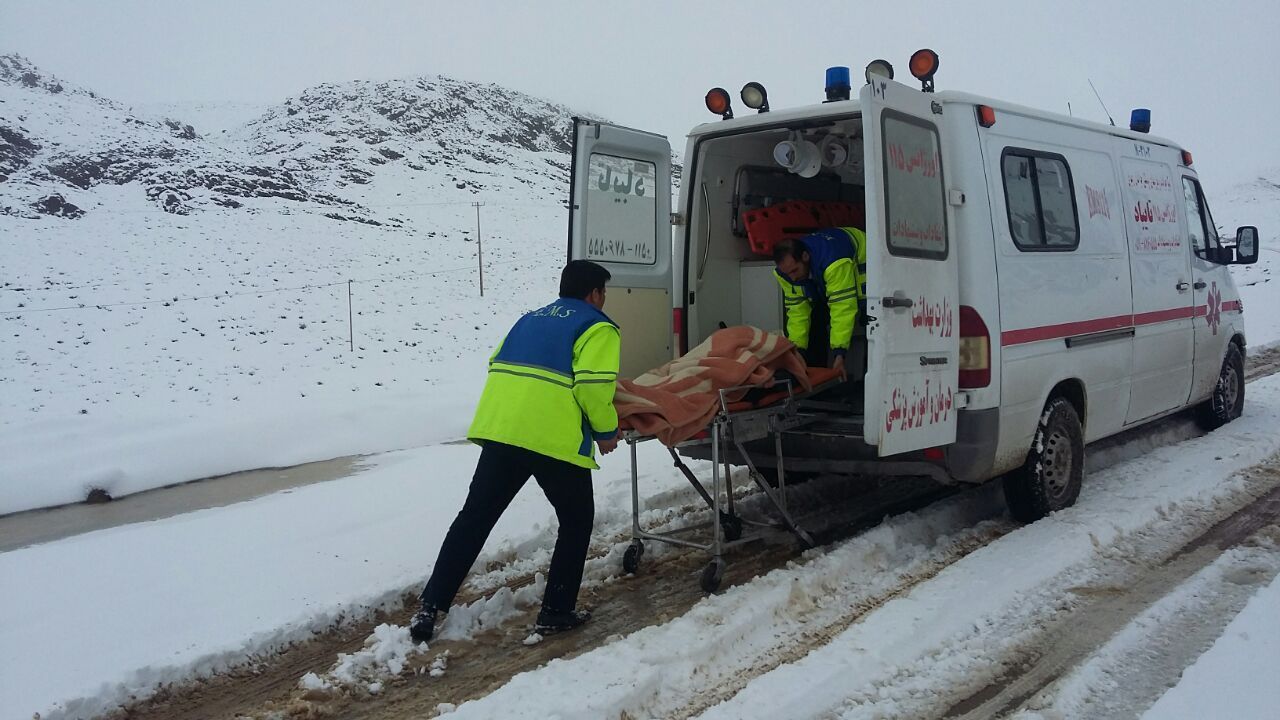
(972, 456)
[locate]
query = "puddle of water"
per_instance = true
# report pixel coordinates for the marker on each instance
(40, 526)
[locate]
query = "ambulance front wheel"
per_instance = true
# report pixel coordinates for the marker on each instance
(1227, 402)
(1050, 478)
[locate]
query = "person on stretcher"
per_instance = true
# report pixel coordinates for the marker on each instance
(828, 266)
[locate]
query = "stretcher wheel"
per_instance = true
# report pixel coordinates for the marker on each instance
(631, 558)
(732, 526)
(711, 576)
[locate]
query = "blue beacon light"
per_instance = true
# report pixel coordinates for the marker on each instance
(837, 83)
(1140, 120)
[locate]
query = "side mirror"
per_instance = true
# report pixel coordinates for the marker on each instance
(1246, 245)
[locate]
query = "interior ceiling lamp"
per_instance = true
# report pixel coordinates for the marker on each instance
(879, 68)
(798, 156)
(718, 103)
(924, 63)
(833, 151)
(754, 96)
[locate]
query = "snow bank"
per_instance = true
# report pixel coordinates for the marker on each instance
(94, 619)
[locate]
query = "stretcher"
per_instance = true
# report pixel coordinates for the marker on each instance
(773, 411)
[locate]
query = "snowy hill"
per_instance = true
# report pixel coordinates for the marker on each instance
(176, 305)
(319, 148)
(1255, 203)
(63, 141)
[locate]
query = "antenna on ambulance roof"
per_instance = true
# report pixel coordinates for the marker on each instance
(1104, 105)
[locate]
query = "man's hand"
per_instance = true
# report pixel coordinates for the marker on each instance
(838, 365)
(607, 446)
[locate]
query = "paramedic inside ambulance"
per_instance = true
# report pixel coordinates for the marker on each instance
(826, 269)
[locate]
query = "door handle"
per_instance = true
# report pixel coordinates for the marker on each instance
(897, 302)
(1182, 286)
(1199, 284)
(932, 361)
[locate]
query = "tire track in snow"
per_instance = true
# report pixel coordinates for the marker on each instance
(267, 686)
(1110, 607)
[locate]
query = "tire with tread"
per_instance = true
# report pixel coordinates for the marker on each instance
(1227, 402)
(1050, 478)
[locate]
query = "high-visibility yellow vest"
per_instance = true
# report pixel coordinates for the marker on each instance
(551, 384)
(838, 273)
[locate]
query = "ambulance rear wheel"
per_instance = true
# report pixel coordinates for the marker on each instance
(631, 558)
(1050, 478)
(1227, 402)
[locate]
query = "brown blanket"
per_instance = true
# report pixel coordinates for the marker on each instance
(678, 400)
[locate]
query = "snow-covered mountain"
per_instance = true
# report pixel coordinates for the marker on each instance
(1256, 202)
(339, 147)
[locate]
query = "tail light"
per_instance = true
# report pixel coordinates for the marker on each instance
(679, 340)
(975, 350)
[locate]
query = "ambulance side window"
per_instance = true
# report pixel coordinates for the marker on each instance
(1200, 229)
(1041, 201)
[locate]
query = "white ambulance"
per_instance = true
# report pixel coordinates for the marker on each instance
(1035, 282)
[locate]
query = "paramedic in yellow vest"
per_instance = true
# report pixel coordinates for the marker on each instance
(829, 265)
(548, 399)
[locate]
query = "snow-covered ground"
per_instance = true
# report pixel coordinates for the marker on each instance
(1236, 677)
(92, 619)
(208, 348)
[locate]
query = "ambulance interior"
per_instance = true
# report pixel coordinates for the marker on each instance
(753, 189)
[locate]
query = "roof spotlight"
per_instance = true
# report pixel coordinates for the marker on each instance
(755, 97)
(924, 63)
(718, 103)
(879, 68)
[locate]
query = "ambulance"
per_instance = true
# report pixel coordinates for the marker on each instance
(1034, 282)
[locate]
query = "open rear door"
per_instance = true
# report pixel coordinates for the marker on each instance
(912, 300)
(620, 217)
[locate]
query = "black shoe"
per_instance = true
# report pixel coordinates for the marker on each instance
(550, 622)
(423, 625)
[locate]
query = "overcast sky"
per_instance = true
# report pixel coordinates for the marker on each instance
(1206, 69)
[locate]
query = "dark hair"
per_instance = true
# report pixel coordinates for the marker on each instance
(580, 278)
(789, 248)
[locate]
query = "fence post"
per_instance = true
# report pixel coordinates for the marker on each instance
(479, 246)
(351, 332)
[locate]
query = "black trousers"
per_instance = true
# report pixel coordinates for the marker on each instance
(501, 472)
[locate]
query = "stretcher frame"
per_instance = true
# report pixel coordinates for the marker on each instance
(728, 427)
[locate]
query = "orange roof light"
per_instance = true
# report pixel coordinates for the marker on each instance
(924, 63)
(986, 115)
(1186, 158)
(718, 103)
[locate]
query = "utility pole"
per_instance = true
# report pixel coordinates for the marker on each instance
(479, 246)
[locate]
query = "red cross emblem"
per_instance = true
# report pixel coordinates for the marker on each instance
(1213, 308)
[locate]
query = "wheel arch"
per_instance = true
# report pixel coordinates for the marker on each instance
(1073, 391)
